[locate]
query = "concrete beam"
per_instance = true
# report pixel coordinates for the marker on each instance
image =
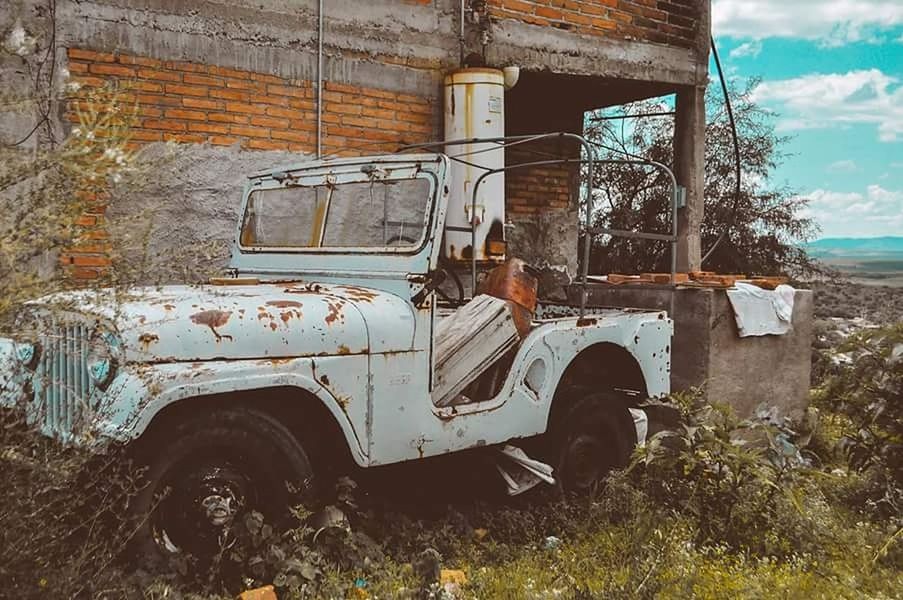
(537, 48)
(689, 161)
(272, 37)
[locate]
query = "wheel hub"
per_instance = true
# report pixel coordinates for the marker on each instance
(197, 514)
(584, 459)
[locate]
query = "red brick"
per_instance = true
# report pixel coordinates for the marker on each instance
(90, 55)
(259, 132)
(251, 109)
(222, 140)
(178, 113)
(190, 67)
(262, 121)
(226, 72)
(88, 260)
(143, 61)
(203, 80)
(164, 125)
(208, 128)
(264, 145)
(203, 103)
(292, 136)
(184, 138)
(159, 75)
(230, 95)
(185, 90)
(108, 69)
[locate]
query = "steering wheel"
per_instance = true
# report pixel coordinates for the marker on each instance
(445, 266)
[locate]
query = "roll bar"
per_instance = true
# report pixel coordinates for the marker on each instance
(590, 161)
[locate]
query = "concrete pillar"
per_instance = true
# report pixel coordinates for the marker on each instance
(689, 167)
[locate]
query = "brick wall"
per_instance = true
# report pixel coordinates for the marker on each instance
(673, 22)
(189, 102)
(537, 189)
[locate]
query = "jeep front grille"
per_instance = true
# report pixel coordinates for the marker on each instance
(62, 388)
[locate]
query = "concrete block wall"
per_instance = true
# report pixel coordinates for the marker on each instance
(707, 352)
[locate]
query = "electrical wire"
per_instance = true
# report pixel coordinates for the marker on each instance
(730, 115)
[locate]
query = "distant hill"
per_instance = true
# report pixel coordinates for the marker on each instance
(856, 247)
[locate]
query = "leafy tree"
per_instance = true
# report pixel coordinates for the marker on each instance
(764, 224)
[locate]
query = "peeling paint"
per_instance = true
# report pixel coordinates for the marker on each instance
(213, 319)
(146, 339)
(284, 303)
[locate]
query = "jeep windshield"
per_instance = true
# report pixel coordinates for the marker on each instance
(367, 209)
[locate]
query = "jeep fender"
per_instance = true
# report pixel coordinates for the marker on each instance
(141, 392)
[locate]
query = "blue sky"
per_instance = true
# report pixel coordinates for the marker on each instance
(833, 71)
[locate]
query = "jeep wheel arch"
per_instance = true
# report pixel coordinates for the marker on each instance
(305, 414)
(601, 367)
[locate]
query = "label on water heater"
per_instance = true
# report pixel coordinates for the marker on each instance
(495, 104)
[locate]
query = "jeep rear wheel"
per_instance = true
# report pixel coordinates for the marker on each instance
(594, 437)
(210, 471)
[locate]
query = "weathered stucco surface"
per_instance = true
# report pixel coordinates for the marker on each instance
(182, 223)
(708, 354)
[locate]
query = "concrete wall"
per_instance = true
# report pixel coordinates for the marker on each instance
(241, 75)
(708, 353)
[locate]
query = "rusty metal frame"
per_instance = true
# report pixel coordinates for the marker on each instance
(590, 161)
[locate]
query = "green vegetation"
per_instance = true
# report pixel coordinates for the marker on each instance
(763, 227)
(718, 508)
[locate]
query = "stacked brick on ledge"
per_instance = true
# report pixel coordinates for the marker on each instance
(673, 22)
(196, 103)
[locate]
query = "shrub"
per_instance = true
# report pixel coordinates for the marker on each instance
(866, 390)
(61, 514)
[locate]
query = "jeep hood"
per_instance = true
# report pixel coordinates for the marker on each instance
(267, 320)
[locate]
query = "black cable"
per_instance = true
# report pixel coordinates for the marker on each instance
(737, 165)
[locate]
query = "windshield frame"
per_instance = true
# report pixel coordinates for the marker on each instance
(337, 175)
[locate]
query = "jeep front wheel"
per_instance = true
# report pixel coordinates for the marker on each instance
(211, 470)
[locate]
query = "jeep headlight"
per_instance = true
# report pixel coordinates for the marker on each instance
(28, 354)
(101, 358)
(26, 351)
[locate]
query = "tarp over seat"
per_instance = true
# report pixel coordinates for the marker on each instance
(470, 341)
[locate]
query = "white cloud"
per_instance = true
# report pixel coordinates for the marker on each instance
(843, 166)
(822, 101)
(832, 22)
(875, 212)
(751, 49)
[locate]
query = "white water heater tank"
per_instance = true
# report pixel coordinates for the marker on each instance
(475, 108)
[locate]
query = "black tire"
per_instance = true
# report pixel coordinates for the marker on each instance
(198, 469)
(595, 436)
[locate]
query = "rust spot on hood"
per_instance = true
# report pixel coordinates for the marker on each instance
(335, 311)
(284, 303)
(213, 319)
(307, 288)
(146, 339)
(168, 307)
(359, 294)
(343, 349)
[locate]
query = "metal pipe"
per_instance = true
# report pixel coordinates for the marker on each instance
(461, 39)
(320, 79)
(589, 162)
